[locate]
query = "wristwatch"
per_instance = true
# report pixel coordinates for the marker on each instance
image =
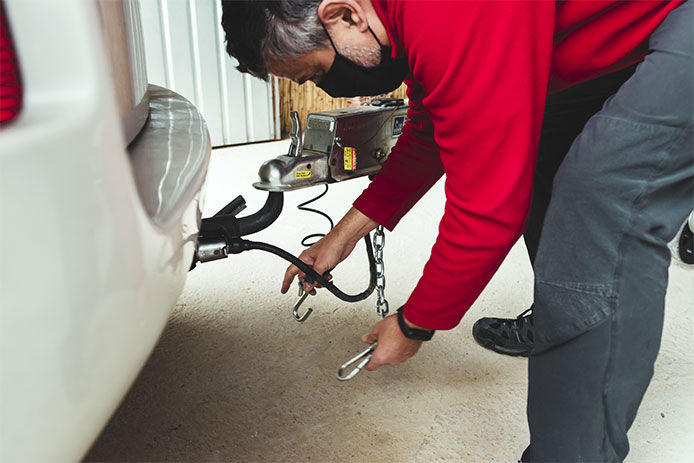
(413, 333)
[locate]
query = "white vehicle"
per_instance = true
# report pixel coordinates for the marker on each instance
(100, 187)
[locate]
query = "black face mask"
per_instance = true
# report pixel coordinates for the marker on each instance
(346, 78)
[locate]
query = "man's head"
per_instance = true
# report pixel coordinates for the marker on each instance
(292, 38)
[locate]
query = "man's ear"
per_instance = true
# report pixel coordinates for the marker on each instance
(343, 13)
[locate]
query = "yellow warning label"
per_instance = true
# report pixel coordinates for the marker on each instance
(350, 158)
(302, 174)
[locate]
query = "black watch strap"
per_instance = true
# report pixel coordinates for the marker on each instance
(413, 333)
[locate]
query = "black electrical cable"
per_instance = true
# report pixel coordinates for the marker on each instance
(237, 245)
(230, 229)
(302, 207)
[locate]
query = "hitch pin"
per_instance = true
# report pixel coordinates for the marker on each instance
(364, 356)
(302, 298)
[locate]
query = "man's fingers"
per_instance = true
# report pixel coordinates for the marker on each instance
(293, 271)
(377, 360)
(308, 288)
(371, 337)
(372, 365)
(289, 275)
(327, 277)
(320, 269)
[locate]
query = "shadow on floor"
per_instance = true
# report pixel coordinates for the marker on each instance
(218, 387)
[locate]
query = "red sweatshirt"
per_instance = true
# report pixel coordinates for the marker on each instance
(480, 73)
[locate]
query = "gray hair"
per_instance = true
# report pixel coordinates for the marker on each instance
(293, 29)
(258, 30)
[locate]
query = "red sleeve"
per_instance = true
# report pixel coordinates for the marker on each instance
(412, 168)
(484, 68)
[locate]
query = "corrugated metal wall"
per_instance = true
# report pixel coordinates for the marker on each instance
(184, 45)
(133, 21)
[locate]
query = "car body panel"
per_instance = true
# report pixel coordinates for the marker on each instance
(168, 156)
(122, 29)
(88, 276)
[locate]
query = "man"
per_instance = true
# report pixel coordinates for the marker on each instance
(478, 74)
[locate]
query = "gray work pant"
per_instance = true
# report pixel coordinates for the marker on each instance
(601, 270)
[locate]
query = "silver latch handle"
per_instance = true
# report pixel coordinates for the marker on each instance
(295, 135)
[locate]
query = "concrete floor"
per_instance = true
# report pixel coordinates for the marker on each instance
(235, 378)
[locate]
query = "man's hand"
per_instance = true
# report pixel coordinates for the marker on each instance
(322, 256)
(332, 249)
(393, 347)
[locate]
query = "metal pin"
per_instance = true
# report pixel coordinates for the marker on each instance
(364, 356)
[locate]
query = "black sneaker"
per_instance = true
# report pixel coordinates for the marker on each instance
(686, 245)
(510, 336)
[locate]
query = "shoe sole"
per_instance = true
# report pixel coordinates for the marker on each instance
(501, 350)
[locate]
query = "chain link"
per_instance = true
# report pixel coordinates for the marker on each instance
(379, 244)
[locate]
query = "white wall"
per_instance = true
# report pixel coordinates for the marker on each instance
(184, 45)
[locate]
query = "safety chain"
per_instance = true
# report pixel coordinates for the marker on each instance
(379, 244)
(360, 360)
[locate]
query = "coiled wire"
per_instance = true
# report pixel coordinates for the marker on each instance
(302, 207)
